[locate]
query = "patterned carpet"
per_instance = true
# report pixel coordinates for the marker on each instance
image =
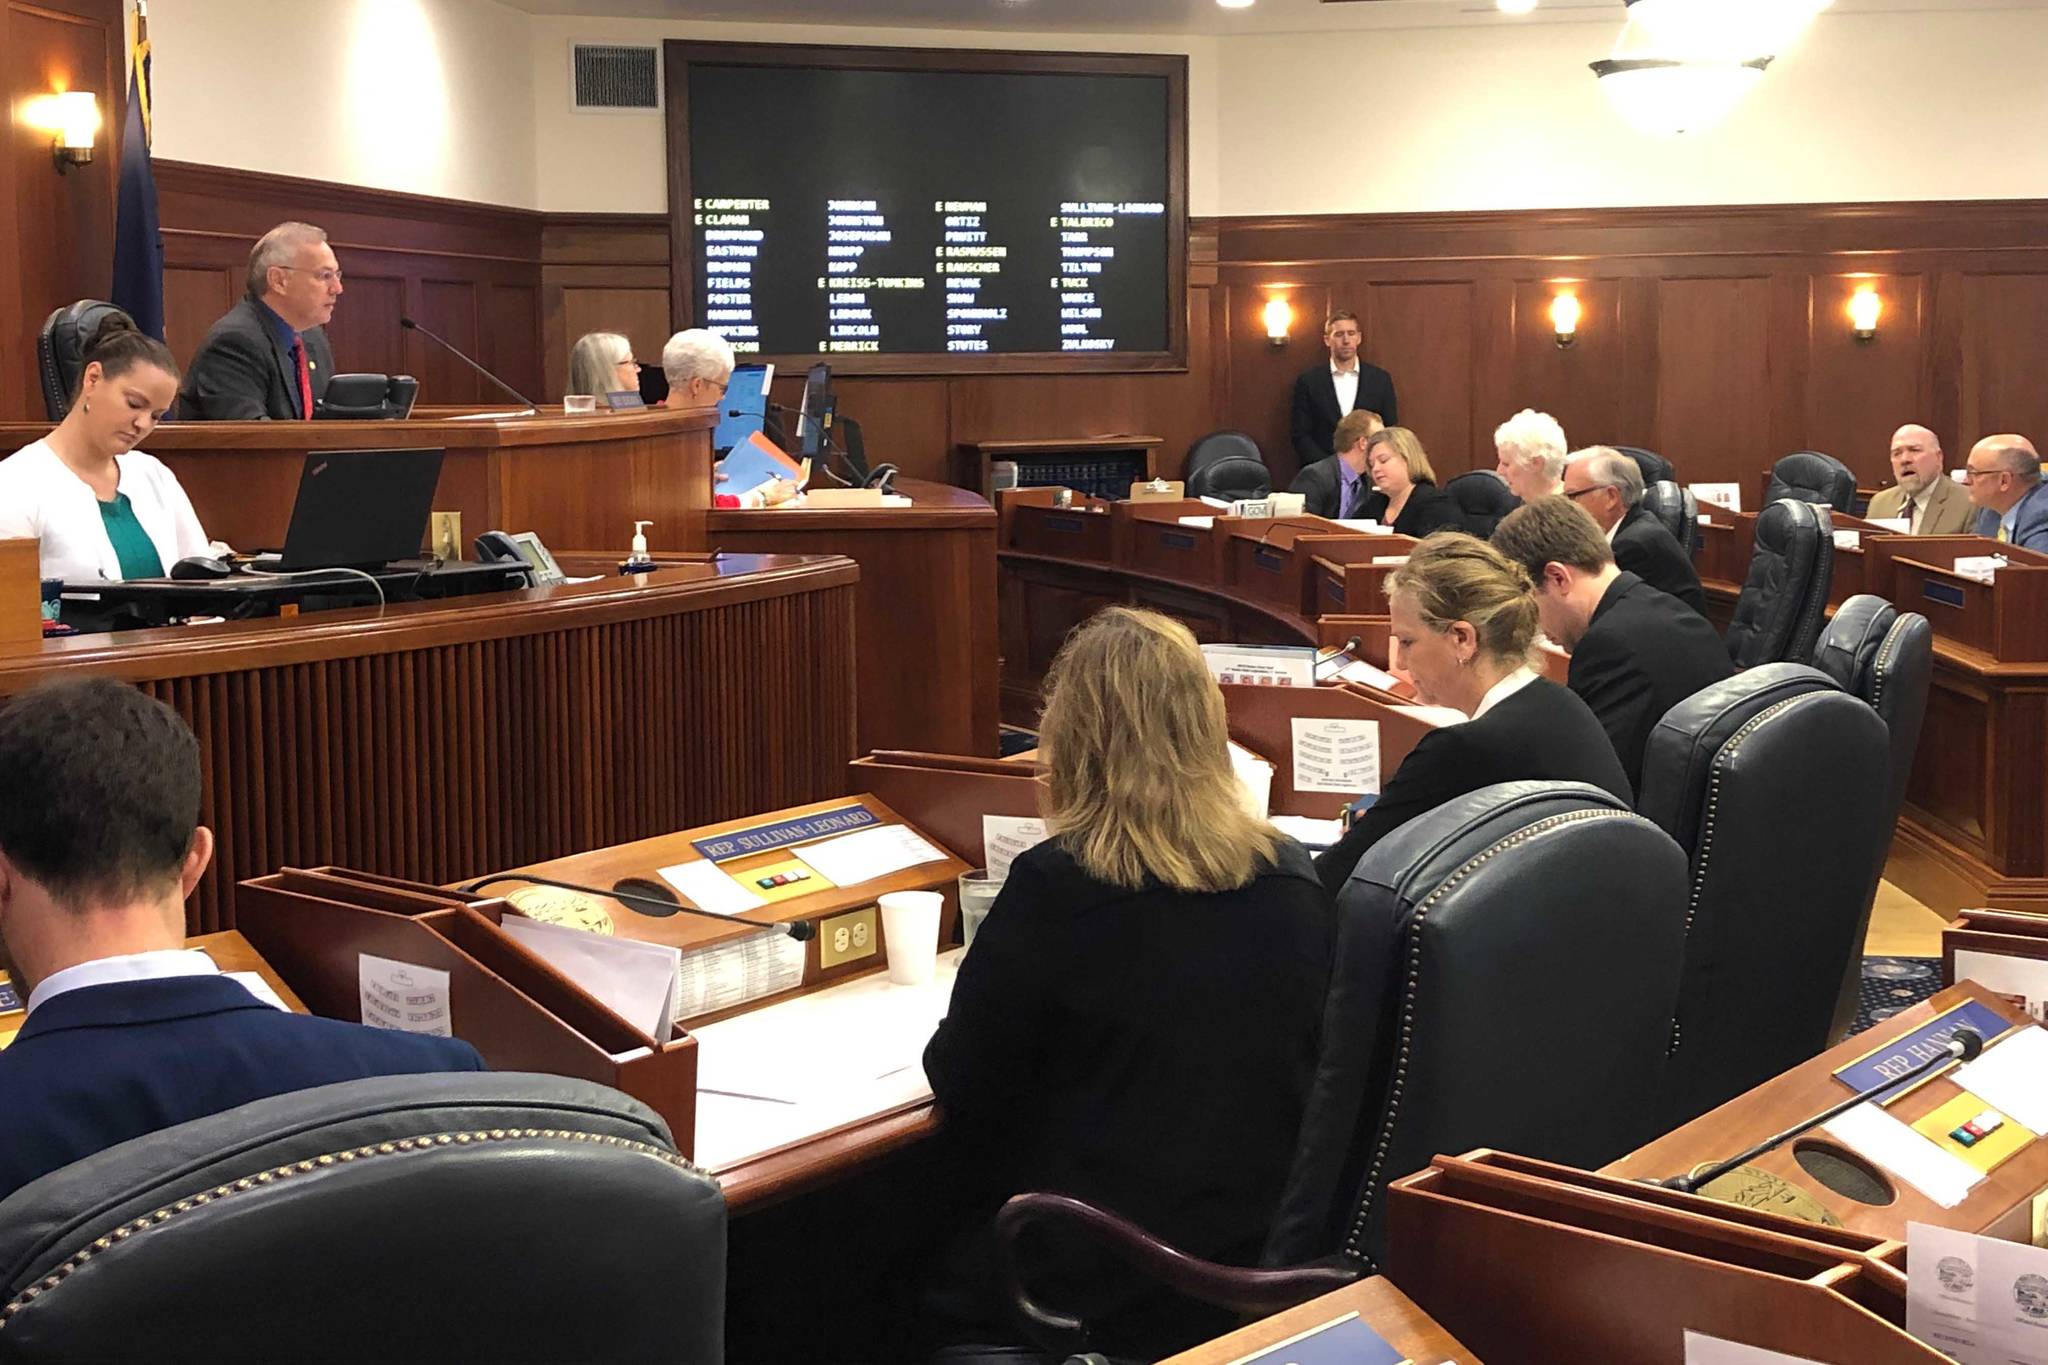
(1891, 984)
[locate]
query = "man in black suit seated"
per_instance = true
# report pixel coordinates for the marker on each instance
(1636, 652)
(268, 355)
(127, 1030)
(1336, 487)
(1608, 485)
(1325, 394)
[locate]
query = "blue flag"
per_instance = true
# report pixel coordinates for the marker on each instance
(138, 242)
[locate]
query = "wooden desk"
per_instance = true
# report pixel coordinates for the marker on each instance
(576, 481)
(439, 740)
(1385, 1309)
(975, 457)
(927, 623)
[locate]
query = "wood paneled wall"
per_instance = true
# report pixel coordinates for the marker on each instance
(1718, 337)
(56, 230)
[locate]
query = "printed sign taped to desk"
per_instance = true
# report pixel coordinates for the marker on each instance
(739, 843)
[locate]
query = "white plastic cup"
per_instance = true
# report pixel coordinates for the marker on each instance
(910, 931)
(579, 402)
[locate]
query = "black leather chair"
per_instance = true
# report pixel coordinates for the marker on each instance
(1227, 465)
(1505, 974)
(1482, 498)
(1886, 657)
(1784, 600)
(1774, 784)
(60, 352)
(1678, 510)
(1656, 469)
(472, 1217)
(1811, 476)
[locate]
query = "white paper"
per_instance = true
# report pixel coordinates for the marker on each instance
(1701, 1349)
(1308, 831)
(736, 972)
(1288, 504)
(1900, 524)
(1249, 508)
(399, 995)
(1336, 755)
(635, 980)
(1388, 561)
(1003, 837)
(1981, 568)
(1359, 671)
(1877, 1136)
(1365, 527)
(1942, 1281)
(1261, 665)
(2023, 981)
(866, 854)
(1728, 495)
(1254, 780)
(1220, 504)
(260, 988)
(1200, 523)
(707, 888)
(2012, 1075)
(1848, 540)
(1438, 716)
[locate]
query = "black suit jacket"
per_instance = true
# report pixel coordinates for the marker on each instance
(1644, 548)
(1429, 509)
(1315, 413)
(1642, 654)
(1541, 733)
(102, 1064)
(242, 372)
(1321, 486)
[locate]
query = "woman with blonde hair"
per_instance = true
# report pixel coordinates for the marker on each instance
(1405, 495)
(1463, 620)
(600, 364)
(1137, 1023)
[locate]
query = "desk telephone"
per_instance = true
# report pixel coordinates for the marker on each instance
(520, 547)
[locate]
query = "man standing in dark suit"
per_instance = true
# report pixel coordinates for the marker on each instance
(1636, 652)
(1608, 486)
(128, 1031)
(268, 355)
(1327, 393)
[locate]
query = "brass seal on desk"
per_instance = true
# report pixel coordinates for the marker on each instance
(1752, 1187)
(570, 909)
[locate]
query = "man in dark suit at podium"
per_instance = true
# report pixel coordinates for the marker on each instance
(1342, 385)
(128, 1031)
(268, 355)
(1636, 652)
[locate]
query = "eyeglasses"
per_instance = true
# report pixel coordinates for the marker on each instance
(1575, 496)
(1975, 474)
(322, 277)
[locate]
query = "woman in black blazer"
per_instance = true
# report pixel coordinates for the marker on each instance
(1405, 495)
(1463, 621)
(1137, 1022)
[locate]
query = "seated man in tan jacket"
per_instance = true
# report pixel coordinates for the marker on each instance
(1931, 502)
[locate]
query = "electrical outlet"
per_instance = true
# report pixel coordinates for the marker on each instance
(446, 536)
(847, 938)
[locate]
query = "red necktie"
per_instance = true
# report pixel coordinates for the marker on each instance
(305, 382)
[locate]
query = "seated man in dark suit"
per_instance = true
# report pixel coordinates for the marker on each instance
(1636, 652)
(1337, 487)
(127, 1031)
(268, 355)
(1608, 486)
(1325, 394)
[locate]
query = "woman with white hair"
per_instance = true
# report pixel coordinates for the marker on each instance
(1532, 449)
(601, 363)
(699, 365)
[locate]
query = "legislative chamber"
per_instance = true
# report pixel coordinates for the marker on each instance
(1240, 683)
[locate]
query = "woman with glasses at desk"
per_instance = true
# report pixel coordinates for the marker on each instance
(102, 508)
(602, 364)
(1137, 1022)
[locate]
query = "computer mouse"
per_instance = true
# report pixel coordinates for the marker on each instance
(200, 566)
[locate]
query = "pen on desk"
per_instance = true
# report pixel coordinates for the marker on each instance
(743, 1095)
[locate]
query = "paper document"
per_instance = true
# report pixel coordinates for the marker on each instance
(1254, 779)
(254, 983)
(634, 980)
(1848, 540)
(1262, 665)
(1220, 504)
(1902, 525)
(867, 854)
(1359, 671)
(706, 887)
(2023, 981)
(2012, 1075)
(1003, 837)
(1980, 1300)
(1388, 561)
(1199, 523)
(1701, 1349)
(1368, 527)
(1336, 755)
(734, 973)
(1728, 495)
(1876, 1135)
(402, 996)
(1312, 834)
(1979, 568)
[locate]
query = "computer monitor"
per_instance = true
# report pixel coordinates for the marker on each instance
(815, 412)
(360, 509)
(744, 408)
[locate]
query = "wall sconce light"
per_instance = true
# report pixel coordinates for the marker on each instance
(1279, 318)
(1564, 318)
(1866, 305)
(72, 118)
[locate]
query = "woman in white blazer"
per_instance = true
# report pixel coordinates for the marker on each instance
(101, 508)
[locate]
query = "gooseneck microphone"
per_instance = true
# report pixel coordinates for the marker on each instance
(451, 348)
(651, 898)
(1330, 656)
(1964, 1045)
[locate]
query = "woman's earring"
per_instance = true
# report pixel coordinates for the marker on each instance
(88, 405)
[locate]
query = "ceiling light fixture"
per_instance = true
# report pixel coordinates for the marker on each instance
(1235, 4)
(1681, 66)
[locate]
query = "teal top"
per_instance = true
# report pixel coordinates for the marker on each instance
(132, 545)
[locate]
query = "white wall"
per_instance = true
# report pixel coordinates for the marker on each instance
(426, 96)
(617, 163)
(1868, 107)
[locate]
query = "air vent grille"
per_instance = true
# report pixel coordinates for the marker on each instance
(609, 76)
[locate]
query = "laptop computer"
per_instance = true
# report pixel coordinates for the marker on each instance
(359, 509)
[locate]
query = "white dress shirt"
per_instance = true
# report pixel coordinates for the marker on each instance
(1505, 688)
(106, 971)
(1346, 384)
(41, 497)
